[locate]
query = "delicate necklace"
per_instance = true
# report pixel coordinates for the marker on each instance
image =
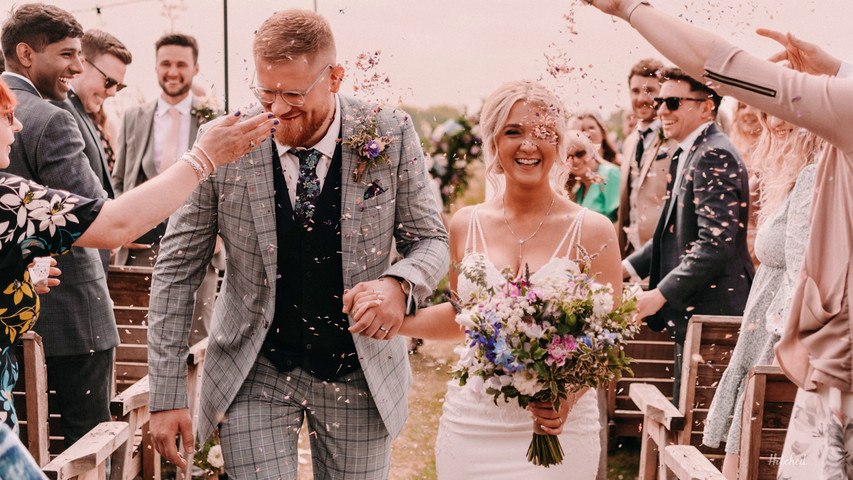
(521, 241)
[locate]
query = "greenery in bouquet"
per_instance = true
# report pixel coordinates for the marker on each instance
(453, 145)
(538, 340)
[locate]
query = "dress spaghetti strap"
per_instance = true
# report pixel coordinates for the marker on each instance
(573, 234)
(475, 230)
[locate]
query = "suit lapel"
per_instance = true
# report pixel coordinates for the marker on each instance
(100, 165)
(257, 170)
(145, 160)
(195, 122)
(351, 212)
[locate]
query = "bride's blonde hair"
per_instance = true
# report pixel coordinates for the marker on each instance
(496, 111)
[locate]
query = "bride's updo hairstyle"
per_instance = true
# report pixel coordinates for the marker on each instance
(496, 111)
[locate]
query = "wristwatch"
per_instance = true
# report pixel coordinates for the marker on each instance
(406, 288)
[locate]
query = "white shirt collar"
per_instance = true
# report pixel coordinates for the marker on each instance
(686, 144)
(652, 126)
(184, 107)
(329, 142)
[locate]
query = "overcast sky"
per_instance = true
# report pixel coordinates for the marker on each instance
(452, 52)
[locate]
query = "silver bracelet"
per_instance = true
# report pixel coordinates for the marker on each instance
(199, 170)
(207, 156)
(633, 7)
(208, 169)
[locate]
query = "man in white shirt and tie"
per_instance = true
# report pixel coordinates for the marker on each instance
(152, 137)
(646, 157)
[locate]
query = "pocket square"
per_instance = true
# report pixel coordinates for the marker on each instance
(374, 189)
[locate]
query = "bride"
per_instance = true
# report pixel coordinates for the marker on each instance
(526, 225)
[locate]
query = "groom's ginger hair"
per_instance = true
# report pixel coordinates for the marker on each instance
(290, 34)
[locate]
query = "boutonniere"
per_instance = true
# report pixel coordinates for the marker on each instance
(370, 148)
(205, 109)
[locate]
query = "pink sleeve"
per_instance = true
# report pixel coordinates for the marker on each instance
(821, 104)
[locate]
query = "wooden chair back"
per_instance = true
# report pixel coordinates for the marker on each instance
(31, 400)
(768, 403)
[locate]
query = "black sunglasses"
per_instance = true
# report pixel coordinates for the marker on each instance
(578, 154)
(109, 81)
(672, 103)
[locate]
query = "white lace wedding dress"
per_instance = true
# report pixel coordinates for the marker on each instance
(480, 440)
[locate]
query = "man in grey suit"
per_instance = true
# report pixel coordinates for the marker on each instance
(697, 261)
(645, 164)
(305, 215)
(150, 139)
(41, 44)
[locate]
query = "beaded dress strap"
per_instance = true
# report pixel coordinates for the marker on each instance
(475, 230)
(573, 234)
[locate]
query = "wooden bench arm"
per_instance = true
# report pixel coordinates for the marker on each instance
(656, 406)
(687, 463)
(90, 452)
(197, 352)
(134, 397)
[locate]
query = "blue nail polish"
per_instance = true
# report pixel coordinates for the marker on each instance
(237, 113)
(272, 130)
(270, 115)
(275, 122)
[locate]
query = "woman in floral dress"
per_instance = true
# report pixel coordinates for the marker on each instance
(36, 221)
(784, 162)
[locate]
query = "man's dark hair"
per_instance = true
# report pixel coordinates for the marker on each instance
(180, 40)
(677, 74)
(97, 42)
(38, 25)
(647, 67)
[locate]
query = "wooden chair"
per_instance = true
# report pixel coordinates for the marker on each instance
(39, 423)
(707, 350)
(130, 290)
(769, 400)
(652, 364)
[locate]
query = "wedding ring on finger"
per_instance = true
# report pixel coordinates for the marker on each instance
(251, 144)
(383, 329)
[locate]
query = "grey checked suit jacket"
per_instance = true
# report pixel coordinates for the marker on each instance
(77, 316)
(238, 203)
(135, 152)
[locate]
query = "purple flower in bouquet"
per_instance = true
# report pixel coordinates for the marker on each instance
(372, 149)
(560, 350)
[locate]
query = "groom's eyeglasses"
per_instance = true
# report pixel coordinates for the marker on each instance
(109, 82)
(672, 103)
(9, 113)
(294, 99)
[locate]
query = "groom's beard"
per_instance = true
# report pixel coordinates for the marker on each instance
(299, 132)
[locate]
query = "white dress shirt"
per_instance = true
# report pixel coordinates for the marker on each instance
(326, 146)
(162, 122)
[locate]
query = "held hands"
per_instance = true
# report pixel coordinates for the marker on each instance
(801, 56)
(165, 426)
(377, 308)
(228, 139)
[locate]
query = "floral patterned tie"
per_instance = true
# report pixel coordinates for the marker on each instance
(308, 185)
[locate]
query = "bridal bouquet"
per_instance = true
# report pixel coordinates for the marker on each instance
(539, 340)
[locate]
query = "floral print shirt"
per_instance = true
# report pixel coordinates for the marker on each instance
(35, 221)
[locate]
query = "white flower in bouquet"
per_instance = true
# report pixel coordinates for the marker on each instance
(214, 457)
(526, 383)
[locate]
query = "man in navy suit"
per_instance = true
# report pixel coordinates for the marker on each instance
(41, 44)
(697, 261)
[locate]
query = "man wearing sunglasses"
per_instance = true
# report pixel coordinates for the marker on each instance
(42, 47)
(697, 260)
(104, 65)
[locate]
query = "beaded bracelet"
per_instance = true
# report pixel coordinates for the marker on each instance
(199, 170)
(204, 165)
(207, 156)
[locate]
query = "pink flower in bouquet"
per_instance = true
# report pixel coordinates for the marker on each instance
(560, 350)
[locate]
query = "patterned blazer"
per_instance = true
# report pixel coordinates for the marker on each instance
(238, 204)
(76, 317)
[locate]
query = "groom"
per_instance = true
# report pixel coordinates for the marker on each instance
(305, 215)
